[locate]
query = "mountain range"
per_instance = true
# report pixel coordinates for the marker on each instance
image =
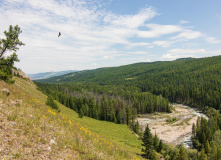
(46, 75)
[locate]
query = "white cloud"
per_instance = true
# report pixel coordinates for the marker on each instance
(163, 43)
(141, 44)
(186, 51)
(188, 34)
(131, 21)
(90, 33)
(212, 40)
(169, 56)
(108, 57)
(138, 52)
(173, 54)
(184, 22)
(157, 30)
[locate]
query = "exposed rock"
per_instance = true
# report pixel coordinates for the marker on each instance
(20, 73)
(5, 91)
(52, 141)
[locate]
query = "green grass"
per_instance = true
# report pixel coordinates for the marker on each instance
(119, 134)
(85, 138)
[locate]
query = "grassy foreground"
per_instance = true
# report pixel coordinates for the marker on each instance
(31, 130)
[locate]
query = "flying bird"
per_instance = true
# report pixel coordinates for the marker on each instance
(59, 34)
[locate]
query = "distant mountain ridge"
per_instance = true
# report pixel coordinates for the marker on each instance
(46, 75)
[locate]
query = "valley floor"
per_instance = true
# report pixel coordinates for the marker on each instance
(174, 131)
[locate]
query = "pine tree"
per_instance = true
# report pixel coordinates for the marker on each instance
(194, 129)
(50, 102)
(156, 142)
(81, 113)
(213, 155)
(203, 155)
(154, 156)
(182, 155)
(207, 147)
(134, 116)
(161, 145)
(128, 115)
(147, 142)
(119, 117)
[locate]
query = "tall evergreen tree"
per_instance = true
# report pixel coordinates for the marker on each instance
(147, 143)
(119, 117)
(182, 155)
(203, 155)
(128, 115)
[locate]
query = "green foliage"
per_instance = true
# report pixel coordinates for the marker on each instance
(203, 155)
(182, 155)
(118, 108)
(6, 65)
(194, 129)
(207, 135)
(147, 143)
(50, 102)
(119, 117)
(128, 116)
(191, 81)
(171, 120)
(116, 94)
(81, 113)
(9, 44)
(217, 138)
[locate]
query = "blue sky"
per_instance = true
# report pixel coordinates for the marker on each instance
(96, 33)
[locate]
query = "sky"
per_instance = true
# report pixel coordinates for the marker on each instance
(108, 33)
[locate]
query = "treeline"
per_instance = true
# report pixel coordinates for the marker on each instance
(207, 135)
(110, 103)
(155, 149)
(195, 82)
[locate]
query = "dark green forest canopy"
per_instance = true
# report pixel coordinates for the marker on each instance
(118, 94)
(194, 82)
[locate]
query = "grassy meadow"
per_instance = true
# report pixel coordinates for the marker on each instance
(32, 130)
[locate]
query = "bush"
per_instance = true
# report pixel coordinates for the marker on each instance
(50, 102)
(170, 120)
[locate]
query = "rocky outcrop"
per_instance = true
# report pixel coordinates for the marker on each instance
(20, 73)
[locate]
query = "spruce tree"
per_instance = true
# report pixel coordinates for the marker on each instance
(213, 154)
(182, 155)
(194, 129)
(128, 115)
(119, 117)
(161, 145)
(147, 143)
(156, 142)
(81, 113)
(203, 155)
(50, 102)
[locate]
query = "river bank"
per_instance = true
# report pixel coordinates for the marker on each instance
(172, 131)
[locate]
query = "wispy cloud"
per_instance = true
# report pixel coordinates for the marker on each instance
(188, 34)
(90, 34)
(157, 30)
(182, 53)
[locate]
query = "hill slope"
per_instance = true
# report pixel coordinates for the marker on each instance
(31, 130)
(190, 81)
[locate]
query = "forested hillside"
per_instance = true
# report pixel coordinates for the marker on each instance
(117, 104)
(190, 81)
(118, 94)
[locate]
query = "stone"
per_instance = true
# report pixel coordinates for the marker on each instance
(5, 91)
